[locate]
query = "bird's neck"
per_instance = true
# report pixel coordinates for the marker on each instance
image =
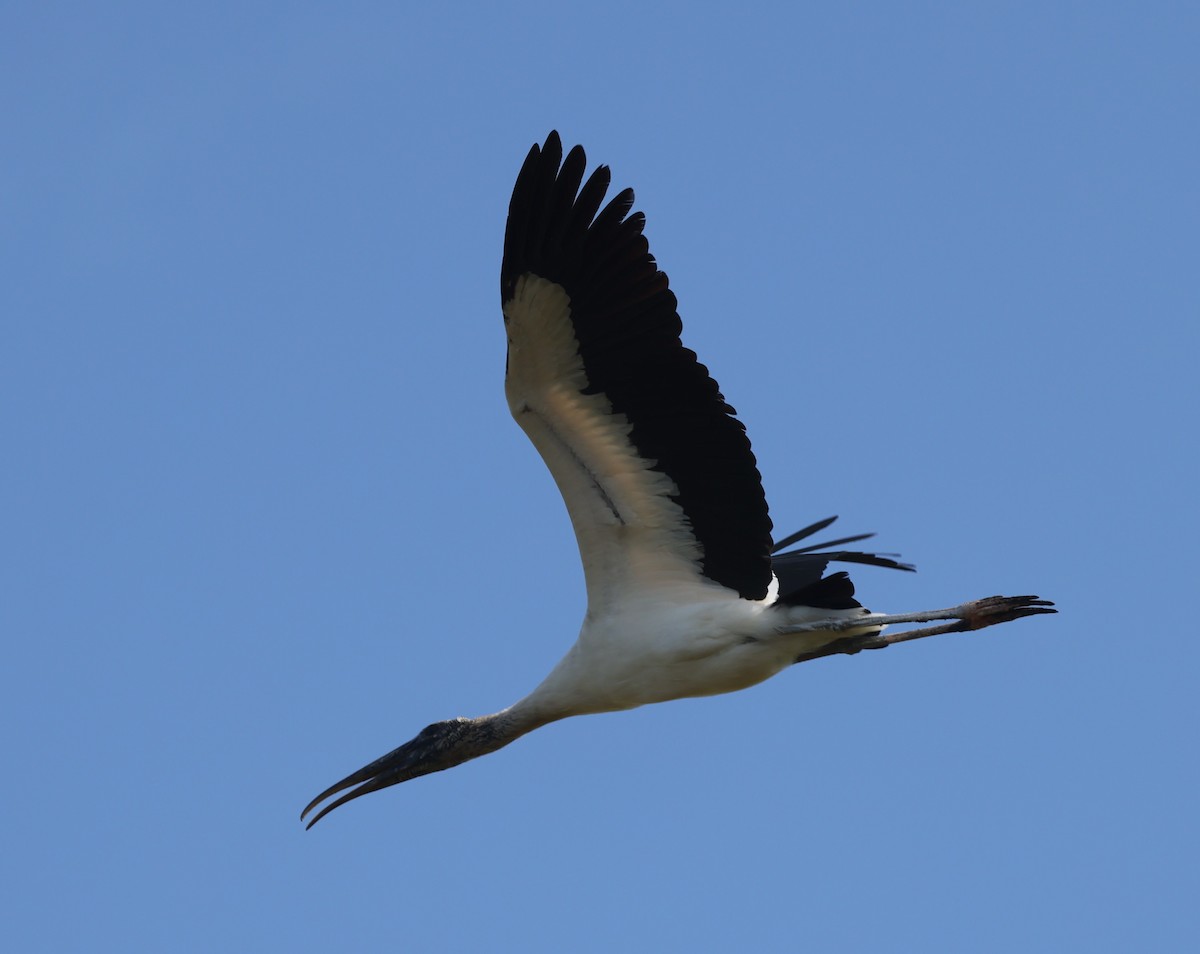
(510, 724)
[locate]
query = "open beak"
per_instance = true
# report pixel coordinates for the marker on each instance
(399, 765)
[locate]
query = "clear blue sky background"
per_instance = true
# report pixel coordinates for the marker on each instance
(265, 514)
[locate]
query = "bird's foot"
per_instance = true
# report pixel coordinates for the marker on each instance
(1001, 609)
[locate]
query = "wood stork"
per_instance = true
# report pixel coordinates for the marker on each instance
(687, 595)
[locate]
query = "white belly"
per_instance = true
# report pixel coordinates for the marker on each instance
(650, 654)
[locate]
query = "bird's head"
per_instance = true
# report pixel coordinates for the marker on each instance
(436, 747)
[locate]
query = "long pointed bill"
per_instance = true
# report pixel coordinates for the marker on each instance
(437, 747)
(397, 766)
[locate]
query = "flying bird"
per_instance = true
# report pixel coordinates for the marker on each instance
(687, 593)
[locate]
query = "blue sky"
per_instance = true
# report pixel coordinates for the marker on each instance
(267, 516)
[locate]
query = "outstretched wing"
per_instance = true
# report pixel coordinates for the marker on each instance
(656, 472)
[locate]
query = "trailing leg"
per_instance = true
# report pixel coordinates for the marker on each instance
(976, 614)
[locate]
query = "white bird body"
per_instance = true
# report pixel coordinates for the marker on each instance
(687, 593)
(668, 644)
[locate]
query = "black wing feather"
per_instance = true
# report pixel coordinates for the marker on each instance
(626, 322)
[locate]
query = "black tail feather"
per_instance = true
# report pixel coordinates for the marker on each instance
(800, 572)
(801, 534)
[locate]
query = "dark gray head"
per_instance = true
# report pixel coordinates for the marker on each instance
(437, 747)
